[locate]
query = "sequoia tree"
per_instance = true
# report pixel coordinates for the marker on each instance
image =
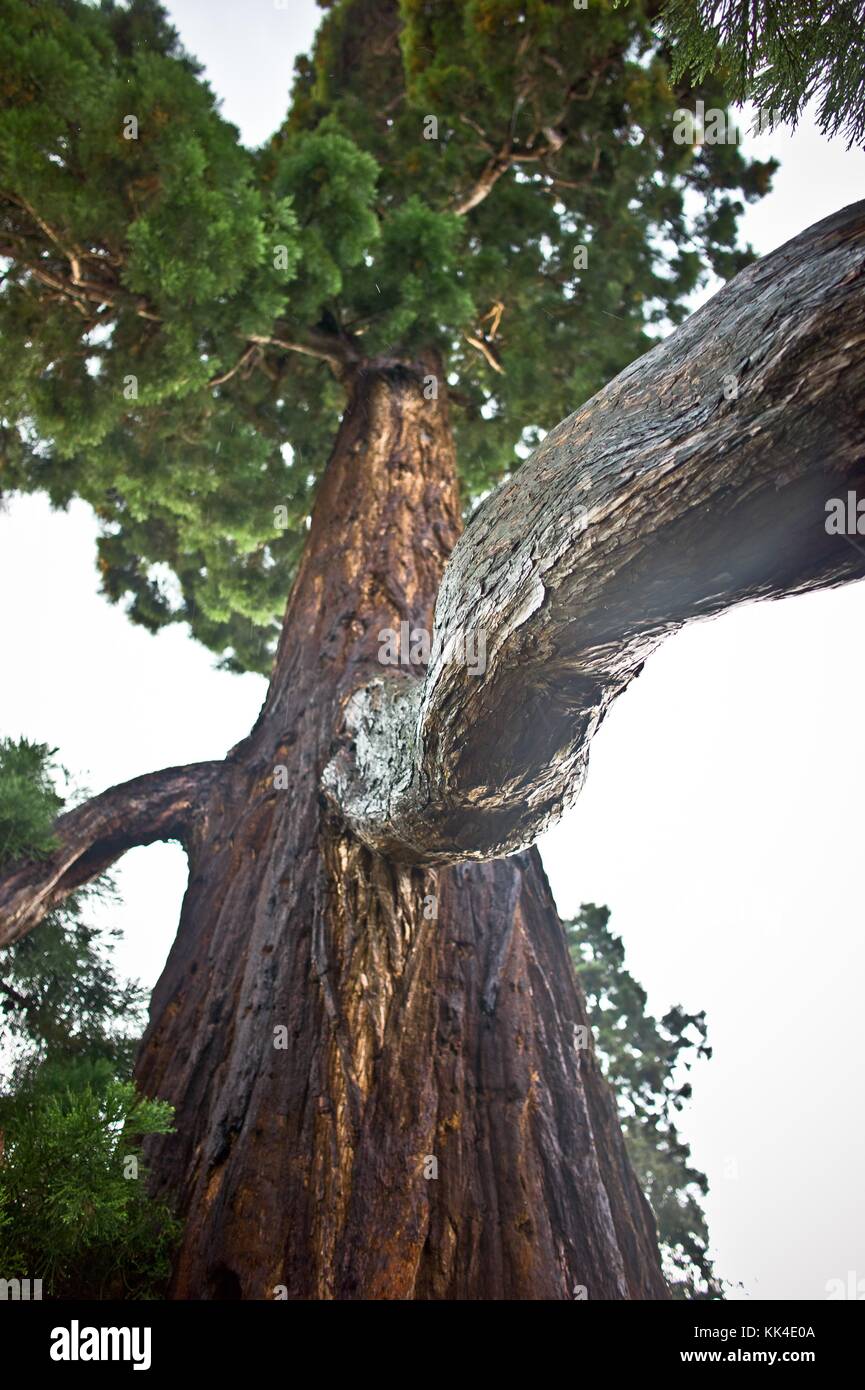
(368, 1024)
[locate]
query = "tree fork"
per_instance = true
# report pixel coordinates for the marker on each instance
(697, 479)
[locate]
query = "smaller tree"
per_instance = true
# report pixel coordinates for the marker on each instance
(645, 1061)
(74, 1209)
(29, 801)
(59, 994)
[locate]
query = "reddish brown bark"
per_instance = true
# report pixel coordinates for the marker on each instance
(410, 1036)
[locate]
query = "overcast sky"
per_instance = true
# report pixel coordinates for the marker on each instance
(721, 820)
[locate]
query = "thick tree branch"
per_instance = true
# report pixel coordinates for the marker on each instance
(697, 479)
(486, 181)
(159, 806)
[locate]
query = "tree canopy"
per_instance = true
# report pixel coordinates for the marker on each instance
(493, 183)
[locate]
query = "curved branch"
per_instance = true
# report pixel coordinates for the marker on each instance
(159, 806)
(699, 478)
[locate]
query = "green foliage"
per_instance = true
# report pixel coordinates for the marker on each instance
(644, 1060)
(59, 995)
(71, 1211)
(413, 287)
(780, 54)
(584, 104)
(334, 182)
(138, 268)
(74, 1206)
(74, 1209)
(173, 304)
(29, 803)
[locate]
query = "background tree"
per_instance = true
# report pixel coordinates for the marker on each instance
(361, 982)
(74, 1210)
(646, 1061)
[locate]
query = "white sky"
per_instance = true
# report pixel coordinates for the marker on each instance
(721, 820)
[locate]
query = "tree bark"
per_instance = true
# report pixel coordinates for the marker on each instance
(431, 1016)
(698, 479)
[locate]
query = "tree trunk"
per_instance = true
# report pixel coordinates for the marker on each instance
(382, 1082)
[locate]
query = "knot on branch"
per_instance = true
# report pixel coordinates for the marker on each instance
(374, 772)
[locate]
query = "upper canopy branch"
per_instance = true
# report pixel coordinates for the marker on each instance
(695, 480)
(159, 806)
(511, 153)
